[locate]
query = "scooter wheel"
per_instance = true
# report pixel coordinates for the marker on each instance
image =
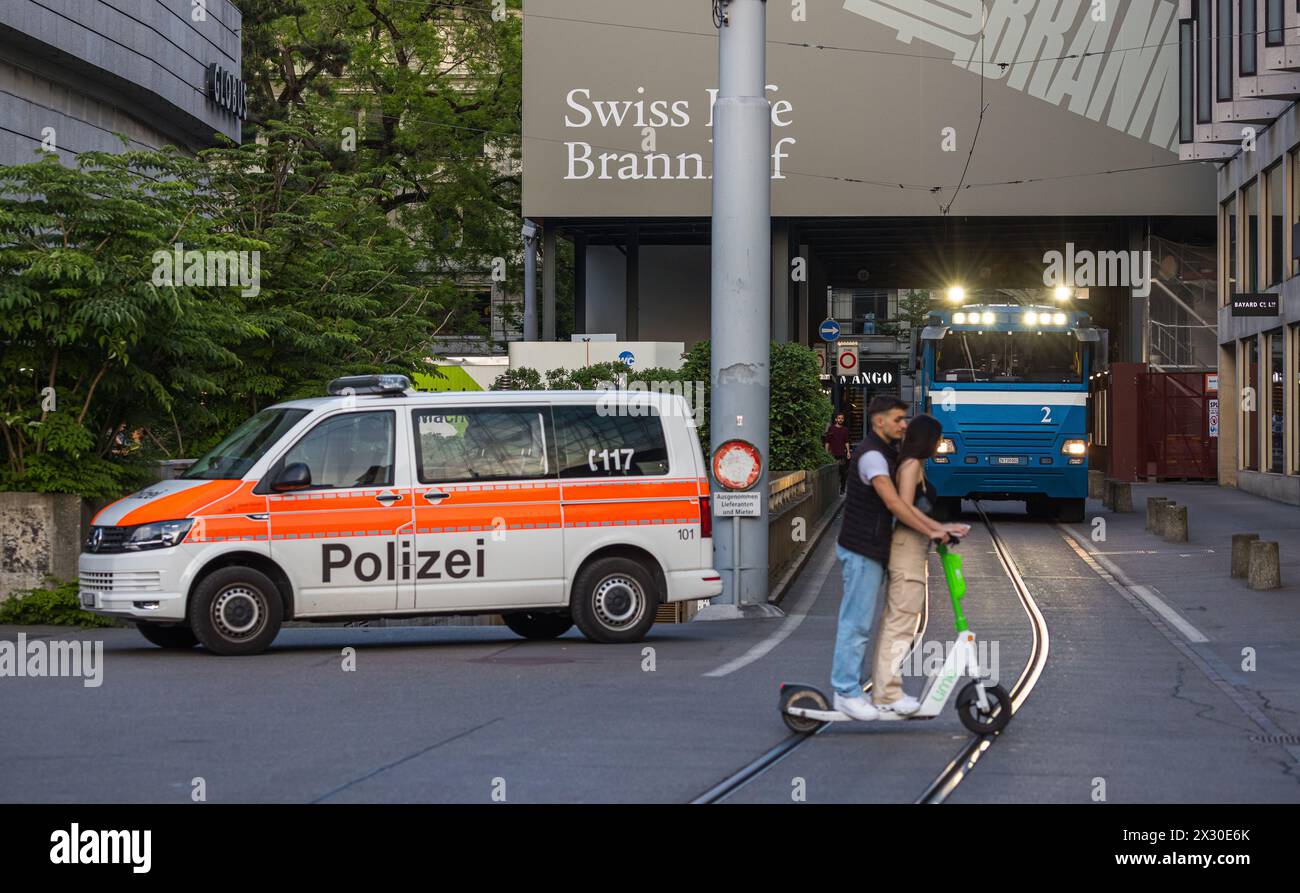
(809, 698)
(984, 722)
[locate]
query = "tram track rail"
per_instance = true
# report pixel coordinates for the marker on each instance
(960, 766)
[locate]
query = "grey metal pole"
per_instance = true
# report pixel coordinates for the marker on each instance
(530, 280)
(741, 283)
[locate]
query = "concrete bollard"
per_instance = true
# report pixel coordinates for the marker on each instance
(1096, 484)
(1175, 526)
(1265, 566)
(1121, 496)
(1241, 553)
(1153, 511)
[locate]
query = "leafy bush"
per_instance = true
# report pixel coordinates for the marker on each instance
(58, 605)
(798, 415)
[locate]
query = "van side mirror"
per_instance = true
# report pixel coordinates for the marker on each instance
(296, 476)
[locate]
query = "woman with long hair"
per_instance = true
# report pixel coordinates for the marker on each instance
(908, 552)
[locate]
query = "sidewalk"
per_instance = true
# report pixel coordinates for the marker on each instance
(1235, 623)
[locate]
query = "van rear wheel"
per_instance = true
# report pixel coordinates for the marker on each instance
(614, 600)
(178, 636)
(538, 625)
(235, 611)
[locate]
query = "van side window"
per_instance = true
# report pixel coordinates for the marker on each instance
(599, 442)
(351, 450)
(469, 444)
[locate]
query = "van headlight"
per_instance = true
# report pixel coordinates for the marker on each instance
(159, 535)
(1074, 447)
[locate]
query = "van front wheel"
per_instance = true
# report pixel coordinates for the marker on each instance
(614, 600)
(539, 625)
(236, 610)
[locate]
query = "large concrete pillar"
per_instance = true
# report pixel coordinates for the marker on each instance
(530, 280)
(632, 291)
(549, 263)
(780, 281)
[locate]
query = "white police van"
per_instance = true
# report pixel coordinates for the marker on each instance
(551, 508)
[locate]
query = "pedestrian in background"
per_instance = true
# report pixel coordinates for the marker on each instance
(836, 440)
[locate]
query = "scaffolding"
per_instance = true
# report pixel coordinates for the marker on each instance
(1182, 330)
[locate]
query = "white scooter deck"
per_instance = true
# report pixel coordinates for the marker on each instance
(961, 661)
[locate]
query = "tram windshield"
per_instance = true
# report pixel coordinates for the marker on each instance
(996, 357)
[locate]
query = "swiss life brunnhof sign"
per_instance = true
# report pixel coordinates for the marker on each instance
(1255, 304)
(619, 107)
(226, 90)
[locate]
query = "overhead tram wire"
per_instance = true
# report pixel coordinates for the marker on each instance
(820, 46)
(984, 20)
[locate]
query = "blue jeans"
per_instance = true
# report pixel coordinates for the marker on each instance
(862, 581)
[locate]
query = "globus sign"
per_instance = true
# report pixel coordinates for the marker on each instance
(226, 90)
(737, 464)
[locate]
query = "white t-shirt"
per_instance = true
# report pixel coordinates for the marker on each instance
(872, 464)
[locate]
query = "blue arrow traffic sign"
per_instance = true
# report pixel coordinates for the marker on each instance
(829, 330)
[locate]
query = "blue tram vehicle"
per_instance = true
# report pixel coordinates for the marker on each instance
(1009, 383)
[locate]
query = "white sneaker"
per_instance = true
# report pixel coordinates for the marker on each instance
(856, 708)
(904, 706)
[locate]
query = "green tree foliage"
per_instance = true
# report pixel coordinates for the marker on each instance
(421, 101)
(90, 348)
(799, 412)
(371, 242)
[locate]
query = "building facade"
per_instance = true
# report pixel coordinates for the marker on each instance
(76, 73)
(1239, 80)
(915, 145)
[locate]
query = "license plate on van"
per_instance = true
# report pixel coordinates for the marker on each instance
(1006, 460)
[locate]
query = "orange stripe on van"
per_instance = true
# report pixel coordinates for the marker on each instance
(184, 503)
(637, 488)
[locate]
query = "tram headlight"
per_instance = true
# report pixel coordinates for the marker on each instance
(1058, 319)
(1074, 447)
(956, 294)
(1061, 293)
(959, 318)
(946, 447)
(1031, 318)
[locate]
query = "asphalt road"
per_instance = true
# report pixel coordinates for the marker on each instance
(469, 714)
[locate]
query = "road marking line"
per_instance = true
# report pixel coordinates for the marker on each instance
(788, 626)
(1153, 601)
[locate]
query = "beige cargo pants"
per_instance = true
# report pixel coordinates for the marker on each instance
(908, 552)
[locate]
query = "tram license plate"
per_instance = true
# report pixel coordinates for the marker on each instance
(1006, 460)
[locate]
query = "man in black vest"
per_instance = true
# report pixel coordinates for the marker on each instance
(863, 547)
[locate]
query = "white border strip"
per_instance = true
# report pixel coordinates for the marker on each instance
(1153, 601)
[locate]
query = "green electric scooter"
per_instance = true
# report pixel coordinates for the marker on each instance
(982, 708)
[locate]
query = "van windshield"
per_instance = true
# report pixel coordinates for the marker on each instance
(231, 459)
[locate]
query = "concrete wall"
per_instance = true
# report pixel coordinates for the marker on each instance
(88, 68)
(1283, 488)
(40, 536)
(782, 548)
(673, 285)
(547, 355)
